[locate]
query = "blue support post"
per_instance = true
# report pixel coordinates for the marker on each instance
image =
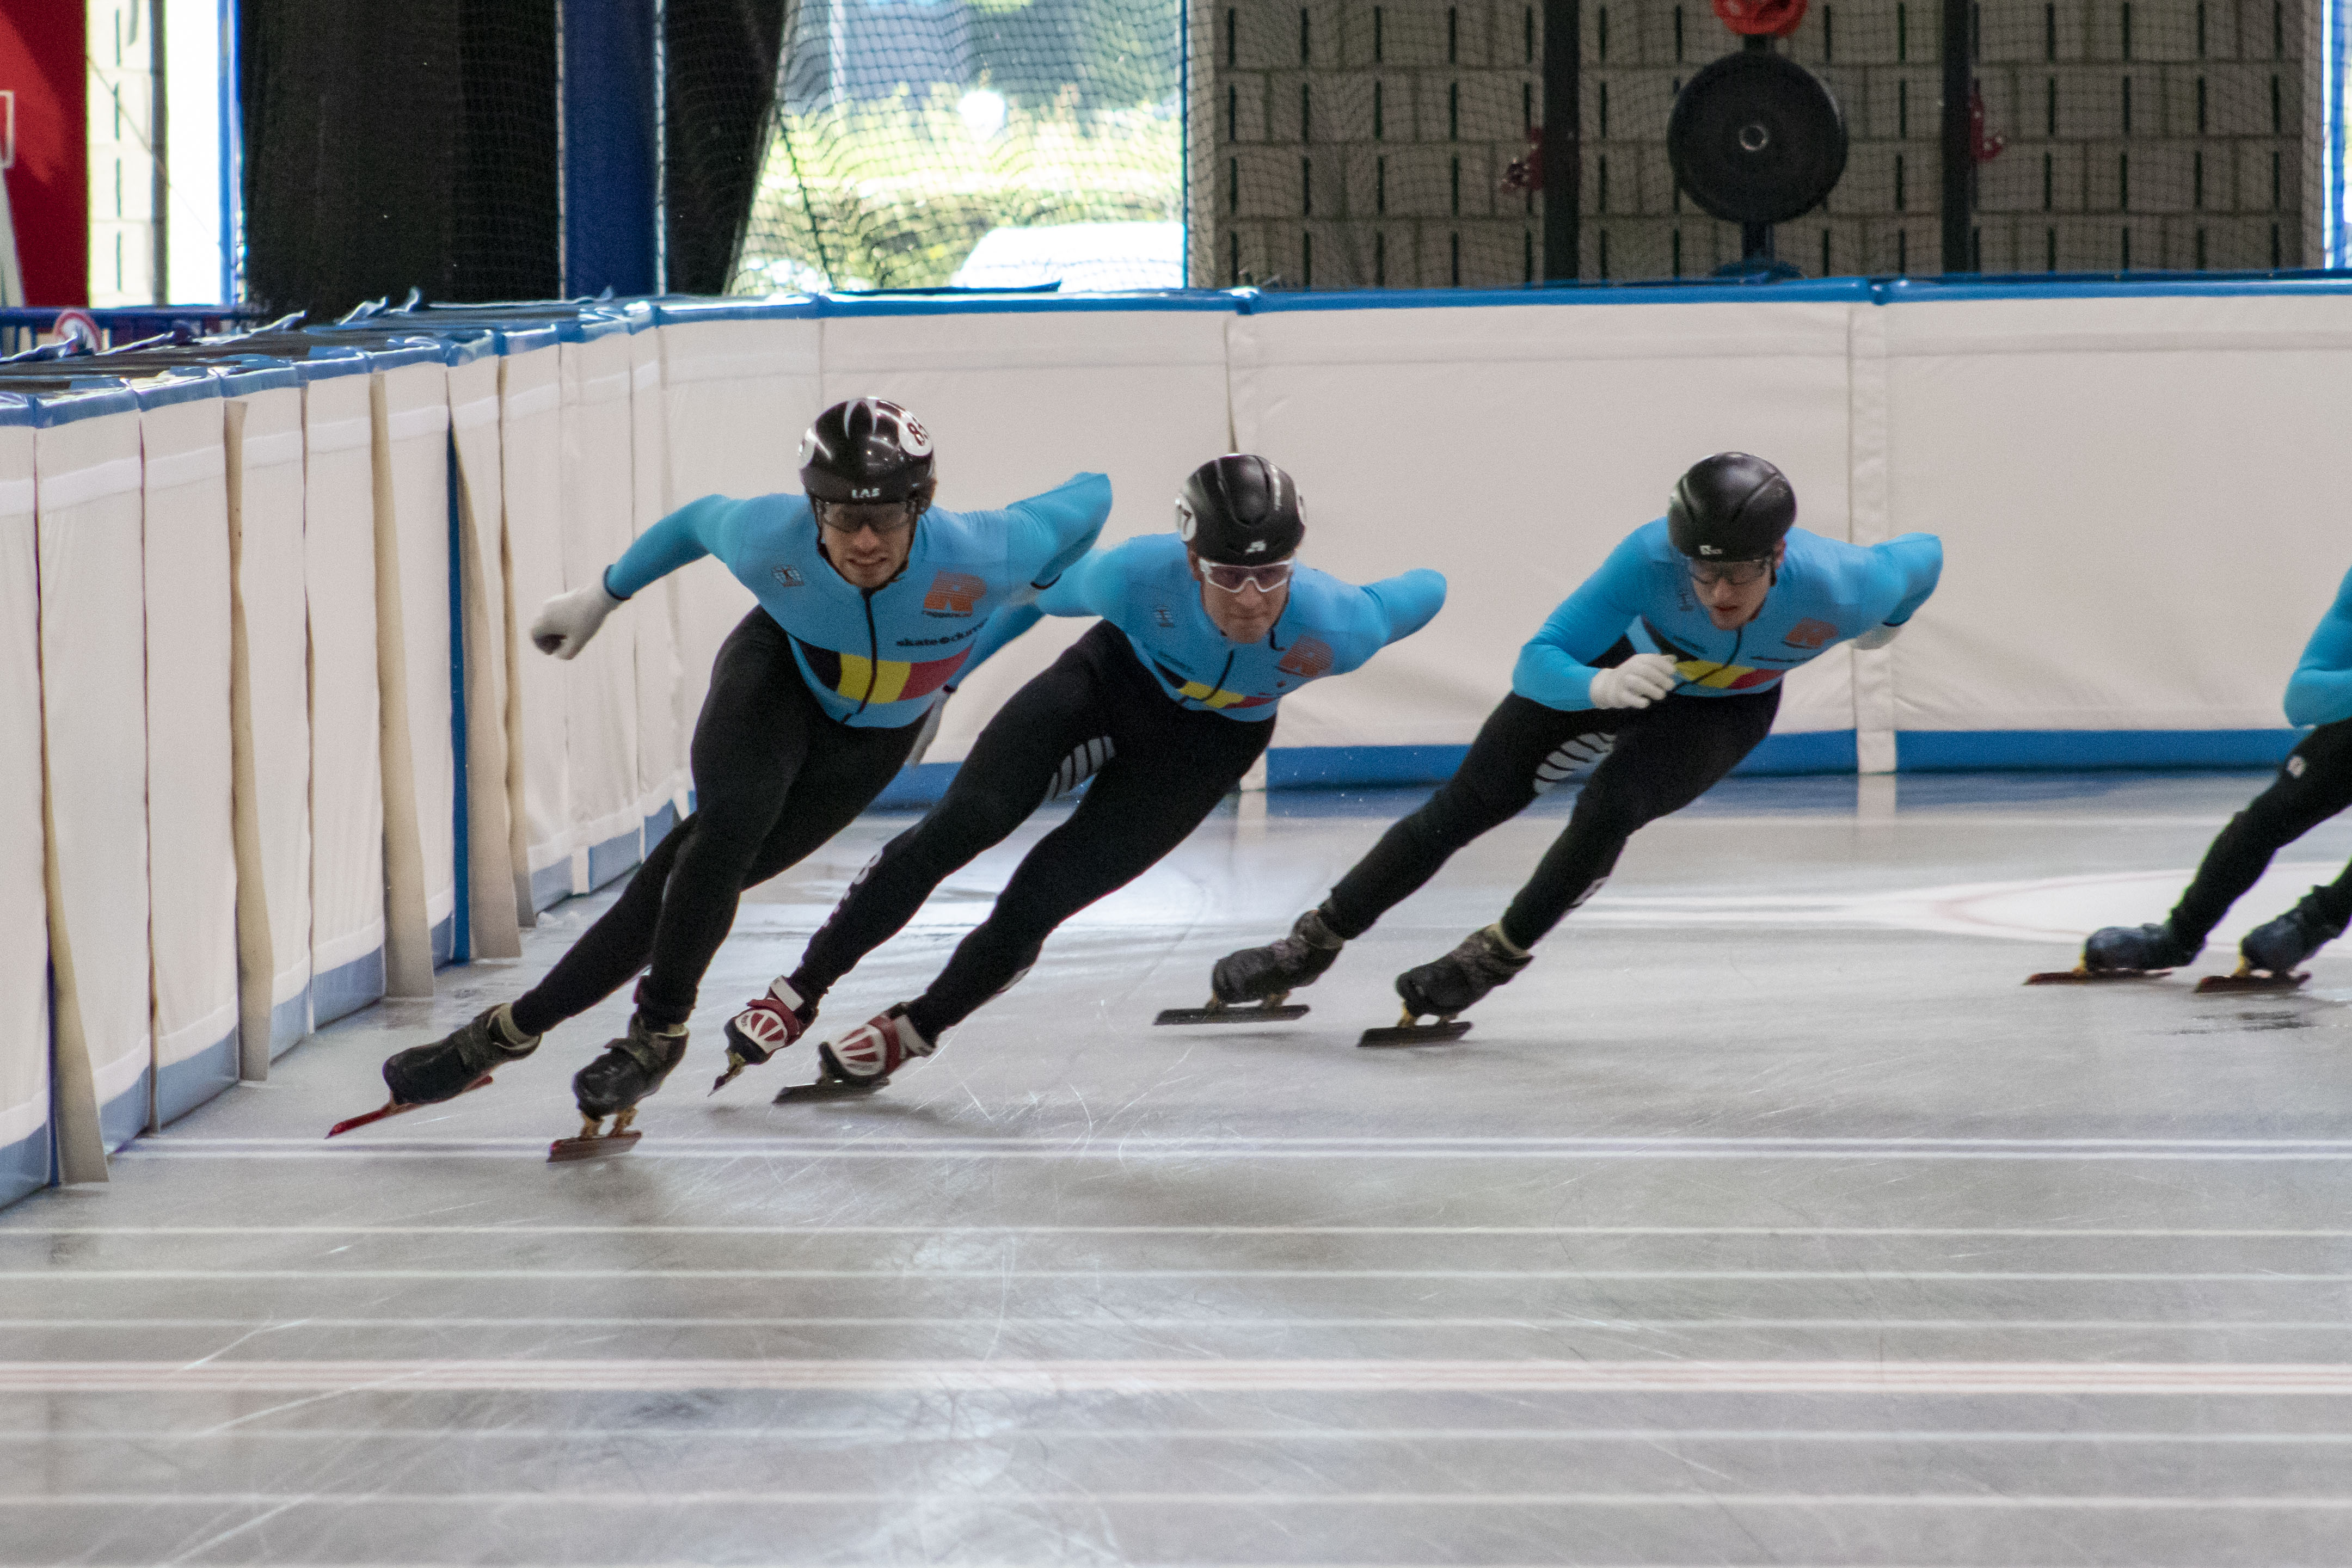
(610, 168)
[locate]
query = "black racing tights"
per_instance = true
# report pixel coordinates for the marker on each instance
(774, 778)
(2314, 784)
(1666, 756)
(1161, 769)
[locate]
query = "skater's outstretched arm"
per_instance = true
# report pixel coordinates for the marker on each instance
(1918, 561)
(698, 528)
(1050, 532)
(2320, 691)
(1556, 666)
(1089, 587)
(1403, 605)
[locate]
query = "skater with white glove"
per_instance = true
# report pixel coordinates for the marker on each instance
(567, 620)
(1674, 651)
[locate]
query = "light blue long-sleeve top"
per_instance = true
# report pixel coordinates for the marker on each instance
(1145, 587)
(1826, 592)
(2320, 690)
(876, 658)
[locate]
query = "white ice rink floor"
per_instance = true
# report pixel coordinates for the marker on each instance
(1766, 1219)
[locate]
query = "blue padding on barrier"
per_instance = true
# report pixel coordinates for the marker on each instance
(1806, 751)
(613, 859)
(345, 990)
(25, 1166)
(551, 884)
(920, 785)
(1969, 750)
(789, 307)
(2107, 285)
(182, 1086)
(1359, 767)
(124, 1117)
(986, 304)
(444, 940)
(289, 1021)
(1652, 291)
(192, 385)
(658, 825)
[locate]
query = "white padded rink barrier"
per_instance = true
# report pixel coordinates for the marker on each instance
(490, 887)
(739, 381)
(93, 687)
(411, 409)
(347, 886)
(531, 453)
(23, 904)
(662, 731)
(1575, 418)
(270, 701)
(191, 840)
(598, 439)
(1018, 399)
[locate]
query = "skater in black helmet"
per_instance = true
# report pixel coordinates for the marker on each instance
(869, 604)
(1165, 703)
(1658, 676)
(2313, 785)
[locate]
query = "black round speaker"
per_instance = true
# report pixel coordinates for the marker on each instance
(1756, 138)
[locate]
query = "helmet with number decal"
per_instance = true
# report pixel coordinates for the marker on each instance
(1240, 510)
(1730, 507)
(866, 449)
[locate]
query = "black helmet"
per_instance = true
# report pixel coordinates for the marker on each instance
(865, 450)
(1240, 510)
(1730, 507)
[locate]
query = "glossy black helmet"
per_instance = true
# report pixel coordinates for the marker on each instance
(1240, 511)
(866, 449)
(1730, 507)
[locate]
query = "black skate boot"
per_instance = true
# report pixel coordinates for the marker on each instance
(1265, 976)
(464, 1060)
(2274, 947)
(1480, 962)
(632, 1067)
(2124, 952)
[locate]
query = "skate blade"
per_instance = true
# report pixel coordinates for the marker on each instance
(832, 1089)
(2213, 984)
(1440, 1033)
(1259, 1012)
(394, 1108)
(2092, 977)
(591, 1148)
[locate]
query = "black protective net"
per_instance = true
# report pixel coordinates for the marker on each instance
(985, 142)
(1357, 144)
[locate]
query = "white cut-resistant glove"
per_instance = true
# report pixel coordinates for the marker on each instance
(1877, 637)
(567, 620)
(1637, 682)
(930, 730)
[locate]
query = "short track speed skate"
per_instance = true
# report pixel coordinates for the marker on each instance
(1483, 960)
(862, 1060)
(1254, 985)
(457, 1064)
(632, 1067)
(2123, 953)
(2268, 955)
(763, 1027)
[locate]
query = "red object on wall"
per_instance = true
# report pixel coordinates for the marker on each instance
(1761, 18)
(43, 72)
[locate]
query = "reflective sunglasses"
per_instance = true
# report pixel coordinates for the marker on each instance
(1738, 573)
(1233, 579)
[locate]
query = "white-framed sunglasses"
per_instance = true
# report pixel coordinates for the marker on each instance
(1233, 579)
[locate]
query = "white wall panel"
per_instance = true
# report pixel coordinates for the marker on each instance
(1512, 447)
(531, 450)
(270, 698)
(1016, 401)
(661, 728)
(94, 706)
(488, 877)
(2139, 526)
(347, 891)
(191, 840)
(24, 904)
(600, 686)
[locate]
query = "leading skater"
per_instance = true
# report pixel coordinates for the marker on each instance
(2313, 784)
(870, 601)
(1166, 702)
(1666, 665)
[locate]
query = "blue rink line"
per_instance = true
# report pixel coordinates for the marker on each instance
(1829, 751)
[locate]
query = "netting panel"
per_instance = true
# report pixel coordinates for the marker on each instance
(909, 133)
